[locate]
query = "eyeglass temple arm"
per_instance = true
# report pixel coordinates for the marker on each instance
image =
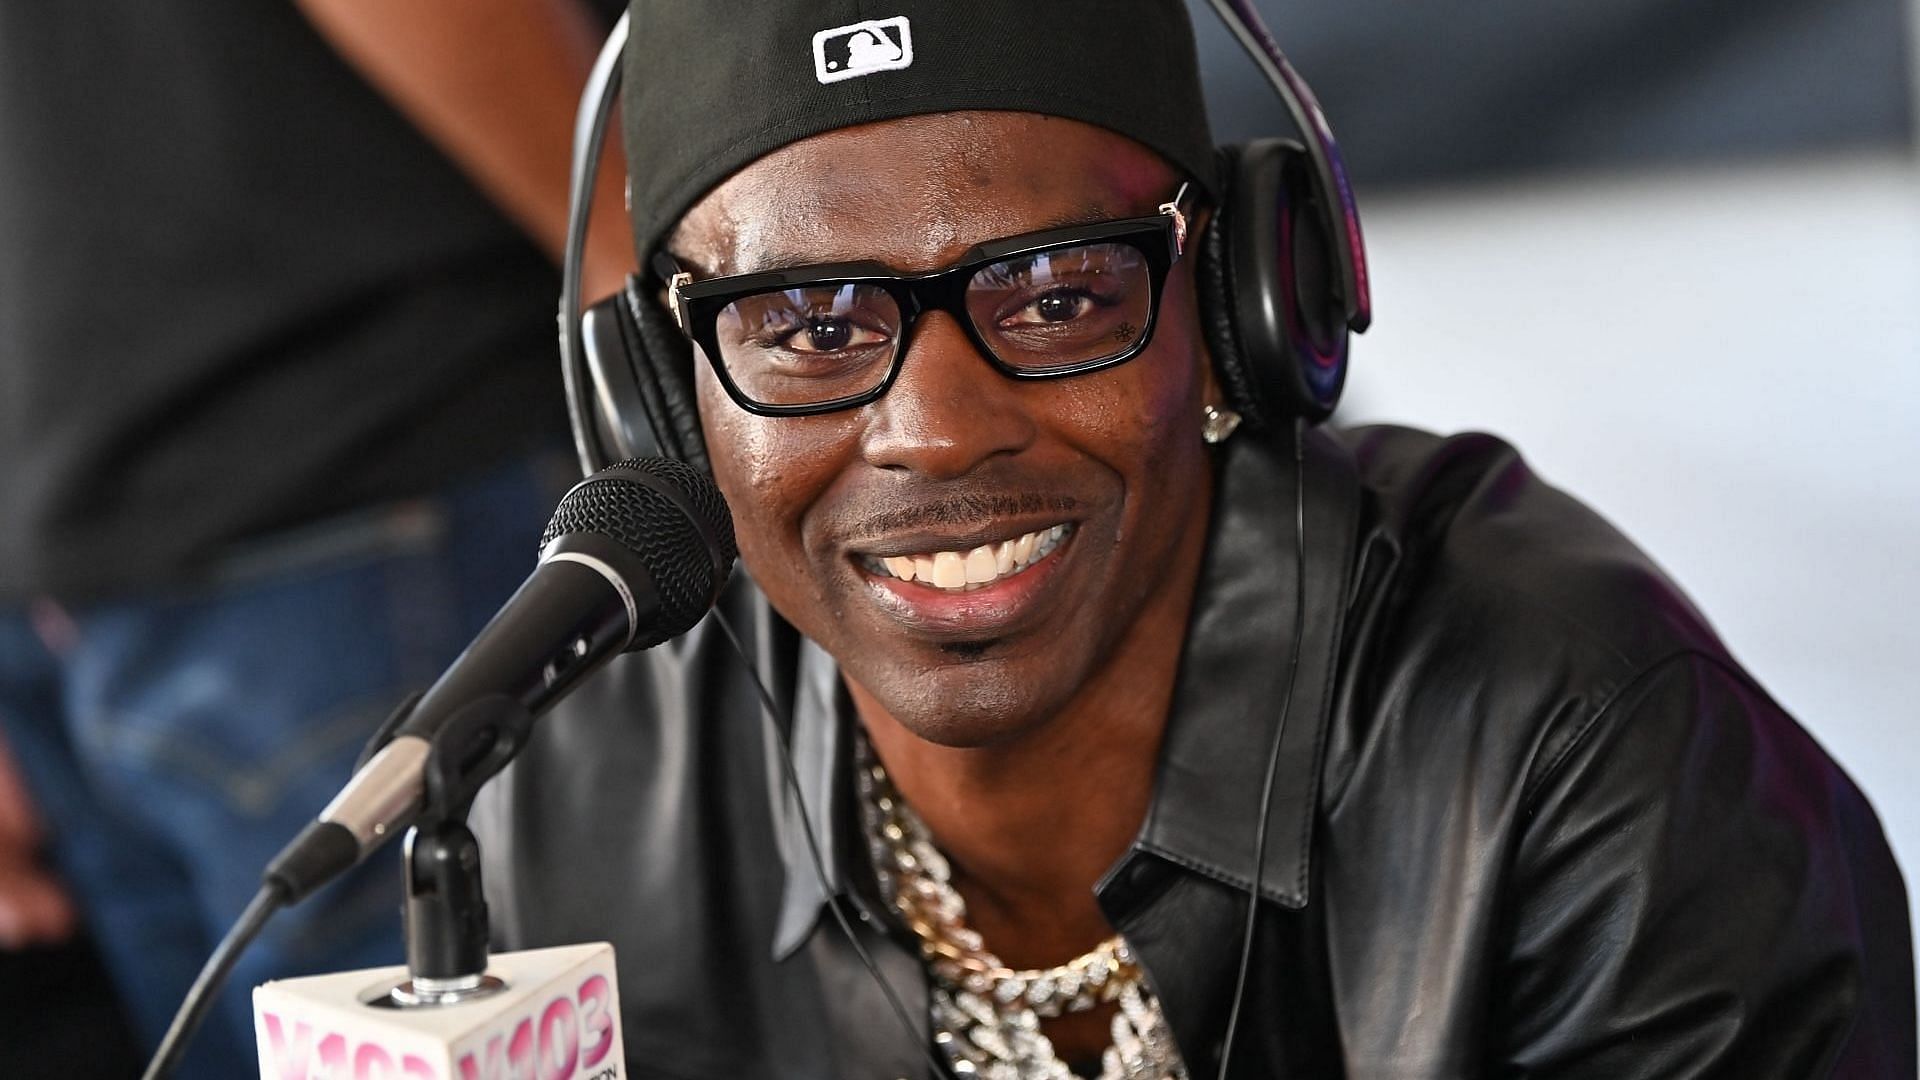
(1173, 209)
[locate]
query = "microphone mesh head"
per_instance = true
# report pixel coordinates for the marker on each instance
(672, 518)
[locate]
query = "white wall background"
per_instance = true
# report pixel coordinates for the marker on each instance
(1726, 363)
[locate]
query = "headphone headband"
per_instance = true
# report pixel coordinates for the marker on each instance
(1251, 32)
(589, 138)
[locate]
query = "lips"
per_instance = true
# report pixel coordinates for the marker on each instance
(969, 590)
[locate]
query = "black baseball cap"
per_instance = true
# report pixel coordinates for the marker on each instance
(712, 85)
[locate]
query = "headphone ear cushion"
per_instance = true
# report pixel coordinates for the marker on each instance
(662, 362)
(618, 416)
(1213, 281)
(1278, 313)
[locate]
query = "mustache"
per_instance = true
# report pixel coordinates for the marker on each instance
(960, 509)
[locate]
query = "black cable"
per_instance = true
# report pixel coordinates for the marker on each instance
(774, 715)
(206, 988)
(1273, 752)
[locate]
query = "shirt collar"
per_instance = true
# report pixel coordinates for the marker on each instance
(1226, 705)
(822, 757)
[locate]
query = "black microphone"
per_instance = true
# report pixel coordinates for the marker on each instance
(635, 554)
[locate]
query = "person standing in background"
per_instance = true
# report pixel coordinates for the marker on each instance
(278, 430)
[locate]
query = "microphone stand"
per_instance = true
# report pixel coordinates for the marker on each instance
(445, 913)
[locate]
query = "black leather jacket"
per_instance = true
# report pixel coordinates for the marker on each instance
(1530, 819)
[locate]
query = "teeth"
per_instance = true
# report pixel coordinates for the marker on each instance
(975, 568)
(980, 566)
(949, 570)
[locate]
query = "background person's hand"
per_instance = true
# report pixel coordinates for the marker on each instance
(34, 909)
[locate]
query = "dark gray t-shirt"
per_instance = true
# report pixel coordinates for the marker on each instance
(238, 291)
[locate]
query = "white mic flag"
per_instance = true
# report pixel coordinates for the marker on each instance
(558, 1018)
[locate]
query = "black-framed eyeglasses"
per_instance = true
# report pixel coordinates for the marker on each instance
(1041, 305)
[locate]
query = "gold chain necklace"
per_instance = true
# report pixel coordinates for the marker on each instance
(986, 1016)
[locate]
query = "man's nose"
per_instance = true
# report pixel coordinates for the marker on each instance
(949, 411)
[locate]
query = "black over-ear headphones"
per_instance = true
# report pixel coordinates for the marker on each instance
(1281, 272)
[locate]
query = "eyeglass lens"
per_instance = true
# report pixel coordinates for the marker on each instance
(1040, 312)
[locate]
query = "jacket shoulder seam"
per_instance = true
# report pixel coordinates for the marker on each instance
(1539, 780)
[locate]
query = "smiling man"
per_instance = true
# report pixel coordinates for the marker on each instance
(1053, 640)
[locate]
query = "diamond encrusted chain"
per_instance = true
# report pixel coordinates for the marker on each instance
(986, 1016)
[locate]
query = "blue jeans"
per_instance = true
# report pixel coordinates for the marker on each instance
(176, 741)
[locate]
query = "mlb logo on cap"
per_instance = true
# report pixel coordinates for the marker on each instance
(862, 48)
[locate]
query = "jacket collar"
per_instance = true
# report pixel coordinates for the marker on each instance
(1232, 701)
(1227, 705)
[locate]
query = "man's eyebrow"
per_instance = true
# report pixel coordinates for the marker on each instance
(1090, 214)
(779, 259)
(782, 258)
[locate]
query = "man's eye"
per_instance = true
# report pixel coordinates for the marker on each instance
(1053, 306)
(831, 334)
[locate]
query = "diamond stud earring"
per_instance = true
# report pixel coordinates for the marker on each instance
(1216, 424)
